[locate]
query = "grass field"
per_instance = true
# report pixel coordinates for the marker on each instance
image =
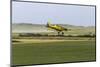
(52, 51)
(35, 44)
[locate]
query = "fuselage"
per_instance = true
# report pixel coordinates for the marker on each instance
(56, 27)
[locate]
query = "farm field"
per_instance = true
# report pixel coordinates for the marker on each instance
(34, 44)
(39, 51)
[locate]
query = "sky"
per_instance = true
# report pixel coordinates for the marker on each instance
(41, 13)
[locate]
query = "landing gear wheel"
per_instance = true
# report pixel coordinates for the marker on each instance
(62, 33)
(58, 33)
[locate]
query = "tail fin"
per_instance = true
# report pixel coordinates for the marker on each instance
(48, 24)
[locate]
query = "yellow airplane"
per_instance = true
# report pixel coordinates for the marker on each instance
(56, 27)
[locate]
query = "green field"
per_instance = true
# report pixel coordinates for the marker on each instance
(45, 46)
(52, 51)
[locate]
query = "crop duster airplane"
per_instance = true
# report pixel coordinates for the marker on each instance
(57, 27)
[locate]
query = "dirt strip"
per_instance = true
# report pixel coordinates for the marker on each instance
(41, 41)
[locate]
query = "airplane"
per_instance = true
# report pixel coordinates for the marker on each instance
(57, 27)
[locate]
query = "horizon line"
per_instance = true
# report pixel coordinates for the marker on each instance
(53, 23)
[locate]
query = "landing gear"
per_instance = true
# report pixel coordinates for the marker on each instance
(60, 33)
